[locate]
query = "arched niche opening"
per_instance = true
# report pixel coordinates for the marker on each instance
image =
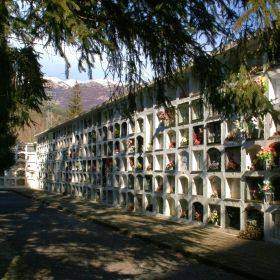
(170, 139)
(197, 186)
(149, 162)
(130, 181)
(214, 160)
(139, 202)
(148, 183)
(252, 163)
(117, 147)
(104, 133)
(159, 205)
(123, 199)
(124, 164)
(116, 197)
(233, 159)
(183, 185)
(117, 164)
(116, 181)
(252, 189)
(183, 209)
(197, 210)
(232, 217)
(170, 207)
(140, 125)
(254, 218)
(170, 184)
(130, 197)
(158, 183)
(131, 127)
(110, 148)
(123, 181)
(116, 130)
(110, 132)
(183, 161)
(148, 203)
(139, 182)
(124, 129)
(123, 146)
(131, 165)
(214, 187)
(139, 144)
(139, 164)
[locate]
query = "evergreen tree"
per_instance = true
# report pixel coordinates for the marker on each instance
(75, 106)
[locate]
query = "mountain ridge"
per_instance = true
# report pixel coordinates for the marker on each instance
(93, 92)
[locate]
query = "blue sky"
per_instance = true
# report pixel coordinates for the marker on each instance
(54, 66)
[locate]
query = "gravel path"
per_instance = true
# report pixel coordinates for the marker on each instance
(56, 245)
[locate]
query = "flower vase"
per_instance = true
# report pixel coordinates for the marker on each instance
(267, 165)
(268, 197)
(162, 123)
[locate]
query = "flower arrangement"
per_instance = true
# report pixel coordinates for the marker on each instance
(170, 165)
(160, 188)
(276, 133)
(267, 154)
(139, 166)
(213, 217)
(197, 217)
(266, 187)
(150, 166)
(197, 138)
(117, 132)
(168, 116)
(130, 207)
(261, 82)
(232, 164)
(231, 136)
(131, 162)
(172, 145)
(215, 194)
(184, 141)
(214, 165)
(116, 150)
(162, 116)
(253, 191)
(184, 214)
(130, 143)
(212, 135)
(109, 165)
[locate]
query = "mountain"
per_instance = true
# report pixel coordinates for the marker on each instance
(94, 92)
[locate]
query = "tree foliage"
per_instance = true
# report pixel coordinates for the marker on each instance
(75, 106)
(172, 36)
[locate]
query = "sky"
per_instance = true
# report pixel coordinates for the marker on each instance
(54, 66)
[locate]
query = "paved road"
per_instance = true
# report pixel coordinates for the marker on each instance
(56, 245)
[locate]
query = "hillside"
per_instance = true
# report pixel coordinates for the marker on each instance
(93, 93)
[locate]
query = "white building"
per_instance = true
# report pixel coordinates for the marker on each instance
(23, 174)
(89, 156)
